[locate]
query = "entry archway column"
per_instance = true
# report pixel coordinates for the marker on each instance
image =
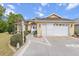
(71, 29)
(39, 31)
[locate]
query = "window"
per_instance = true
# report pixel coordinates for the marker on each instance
(60, 24)
(55, 24)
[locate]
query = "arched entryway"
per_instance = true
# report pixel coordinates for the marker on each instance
(34, 28)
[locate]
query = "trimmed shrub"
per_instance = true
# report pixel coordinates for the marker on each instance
(17, 38)
(25, 34)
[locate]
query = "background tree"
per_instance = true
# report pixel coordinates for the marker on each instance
(3, 24)
(12, 18)
(2, 11)
(9, 23)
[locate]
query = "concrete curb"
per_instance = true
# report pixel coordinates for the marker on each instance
(12, 48)
(75, 38)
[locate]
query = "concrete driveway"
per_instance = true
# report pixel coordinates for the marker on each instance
(52, 46)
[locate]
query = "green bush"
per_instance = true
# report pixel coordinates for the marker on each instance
(35, 33)
(17, 38)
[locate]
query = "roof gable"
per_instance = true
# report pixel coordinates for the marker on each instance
(54, 17)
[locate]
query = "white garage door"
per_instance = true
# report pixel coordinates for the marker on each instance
(51, 29)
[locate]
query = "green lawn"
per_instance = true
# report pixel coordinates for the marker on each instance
(4, 48)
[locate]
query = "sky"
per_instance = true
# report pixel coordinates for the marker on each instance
(32, 10)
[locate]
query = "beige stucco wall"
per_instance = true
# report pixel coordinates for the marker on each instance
(39, 31)
(29, 26)
(71, 29)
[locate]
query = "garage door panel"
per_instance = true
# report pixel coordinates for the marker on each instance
(50, 30)
(61, 31)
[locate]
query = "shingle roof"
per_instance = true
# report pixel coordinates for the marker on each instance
(51, 18)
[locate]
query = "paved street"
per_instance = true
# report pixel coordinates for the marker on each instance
(54, 46)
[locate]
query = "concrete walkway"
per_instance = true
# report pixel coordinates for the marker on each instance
(49, 47)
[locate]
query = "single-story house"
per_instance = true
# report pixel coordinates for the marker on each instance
(52, 25)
